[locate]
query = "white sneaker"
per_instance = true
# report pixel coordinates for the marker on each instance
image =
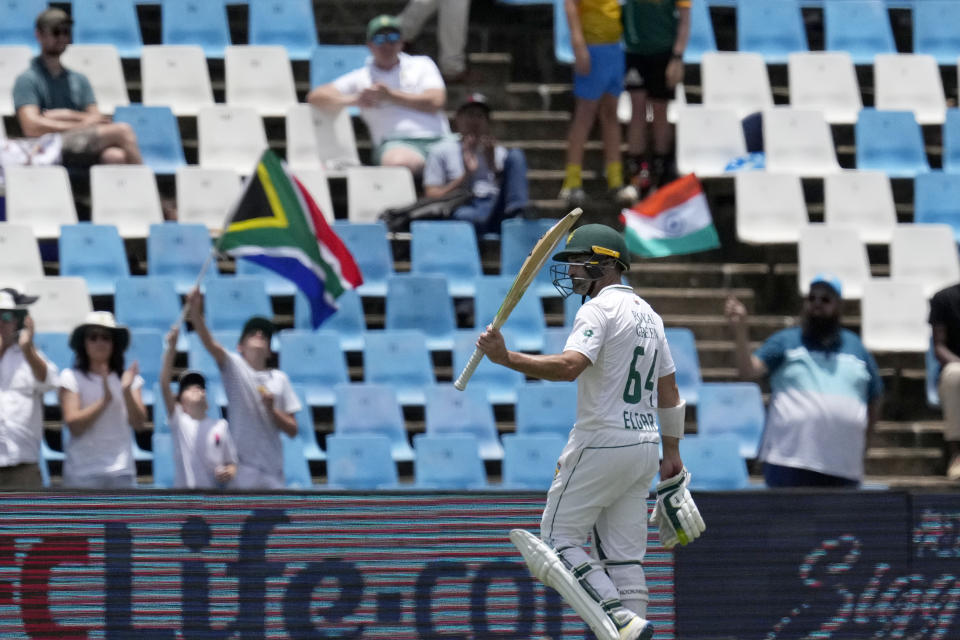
(637, 629)
(575, 197)
(626, 195)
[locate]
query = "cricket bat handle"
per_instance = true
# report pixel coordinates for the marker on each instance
(468, 370)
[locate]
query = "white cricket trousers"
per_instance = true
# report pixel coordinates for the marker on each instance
(601, 489)
(453, 17)
(949, 389)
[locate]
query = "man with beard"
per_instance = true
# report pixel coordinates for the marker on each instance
(825, 393)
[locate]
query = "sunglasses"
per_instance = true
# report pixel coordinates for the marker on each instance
(383, 38)
(825, 299)
(103, 336)
(60, 32)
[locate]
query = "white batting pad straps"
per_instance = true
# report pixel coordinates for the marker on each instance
(671, 419)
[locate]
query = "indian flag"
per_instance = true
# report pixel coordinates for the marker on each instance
(674, 220)
(276, 224)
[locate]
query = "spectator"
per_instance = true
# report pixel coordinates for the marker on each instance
(945, 320)
(453, 17)
(25, 373)
(49, 98)
(496, 177)
(101, 401)
(401, 98)
(825, 393)
(205, 454)
(261, 402)
(595, 31)
(655, 35)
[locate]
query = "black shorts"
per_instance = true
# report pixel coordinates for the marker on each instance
(81, 148)
(648, 72)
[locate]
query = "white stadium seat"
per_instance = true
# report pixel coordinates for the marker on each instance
(371, 190)
(63, 303)
(770, 208)
(230, 138)
(825, 81)
(838, 251)
(315, 182)
(205, 196)
(19, 255)
(798, 141)
(14, 60)
(101, 64)
(737, 81)
(40, 197)
(910, 82)
(894, 316)
(862, 200)
(176, 76)
(707, 140)
(259, 77)
(125, 196)
(320, 138)
(926, 253)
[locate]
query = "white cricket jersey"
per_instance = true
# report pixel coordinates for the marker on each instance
(623, 338)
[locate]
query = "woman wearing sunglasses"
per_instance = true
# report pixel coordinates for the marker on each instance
(100, 401)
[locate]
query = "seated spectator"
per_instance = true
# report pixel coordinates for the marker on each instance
(453, 17)
(49, 98)
(401, 98)
(205, 456)
(100, 401)
(25, 374)
(261, 401)
(945, 321)
(496, 177)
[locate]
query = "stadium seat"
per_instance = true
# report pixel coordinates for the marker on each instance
(422, 302)
(101, 64)
(56, 347)
(14, 60)
(19, 255)
(148, 302)
(862, 200)
(910, 82)
(314, 180)
(177, 251)
(199, 359)
(276, 284)
(44, 469)
(714, 463)
(735, 408)
(517, 238)
(546, 407)
(330, 61)
(701, 38)
(860, 27)
(924, 253)
(205, 196)
(176, 76)
(40, 198)
(230, 302)
(400, 359)
(372, 190)
(349, 322)
(932, 366)
(835, 250)
(893, 316)
(448, 462)
(371, 250)
(890, 141)
(18, 22)
(736, 81)
(259, 77)
(770, 207)
(320, 138)
(554, 339)
(296, 468)
(936, 30)
(500, 383)
(683, 348)
(526, 323)
(450, 411)
(300, 353)
(95, 253)
(562, 47)
(230, 138)
(448, 248)
(708, 140)
(113, 23)
(798, 141)
(530, 460)
(146, 348)
(125, 196)
(289, 24)
(158, 136)
(363, 408)
(951, 141)
(825, 81)
(196, 22)
(63, 303)
(360, 461)
(772, 29)
(164, 473)
(571, 304)
(936, 198)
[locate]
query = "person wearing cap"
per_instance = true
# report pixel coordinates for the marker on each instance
(25, 374)
(496, 177)
(401, 98)
(101, 400)
(825, 392)
(49, 98)
(205, 456)
(945, 329)
(261, 402)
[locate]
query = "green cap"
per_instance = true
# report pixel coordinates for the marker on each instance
(382, 22)
(597, 239)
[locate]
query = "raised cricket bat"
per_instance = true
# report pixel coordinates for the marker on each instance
(528, 271)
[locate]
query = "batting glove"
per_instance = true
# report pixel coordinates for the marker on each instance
(675, 514)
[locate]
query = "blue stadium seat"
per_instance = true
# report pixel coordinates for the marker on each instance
(230, 302)
(370, 248)
(349, 322)
(164, 474)
(400, 359)
(517, 237)
(148, 302)
(114, 23)
(275, 283)
(197, 22)
(530, 460)
(562, 47)
(683, 348)
(56, 346)
(936, 30)
(936, 200)
(371, 408)
(860, 27)
(158, 136)
(890, 141)
(571, 304)
(200, 359)
(732, 407)
(449, 248)
(301, 353)
(360, 461)
(146, 347)
(951, 141)
(18, 21)
(330, 61)
(772, 29)
(94, 252)
(714, 462)
(178, 251)
(932, 377)
(546, 407)
(526, 324)
(555, 339)
(289, 23)
(448, 462)
(422, 302)
(296, 469)
(500, 383)
(701, 38)
(450, 411)
(306, 430)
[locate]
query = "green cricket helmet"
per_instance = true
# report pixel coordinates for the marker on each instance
(598, 240)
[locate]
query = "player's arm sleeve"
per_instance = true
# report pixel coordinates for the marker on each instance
(771, 352)
(25, 92)
(586, 337)
(430, 77)
(665, 358)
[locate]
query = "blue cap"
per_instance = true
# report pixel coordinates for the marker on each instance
(830, 280)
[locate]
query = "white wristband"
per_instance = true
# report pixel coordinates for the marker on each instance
(671, 419)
